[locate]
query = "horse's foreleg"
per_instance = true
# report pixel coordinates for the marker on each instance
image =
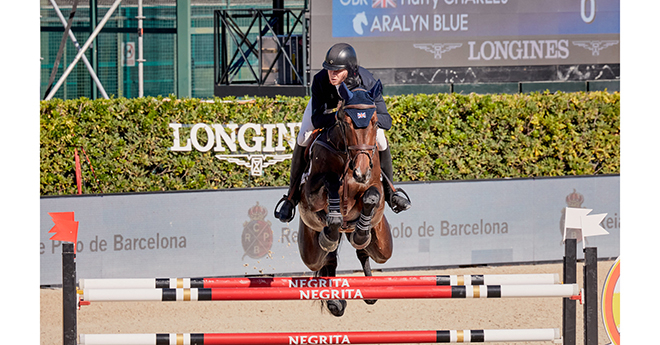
(380, 248)
(361, 236)
(313, 256)
(329, 237)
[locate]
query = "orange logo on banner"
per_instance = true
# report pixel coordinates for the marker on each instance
(610, 304)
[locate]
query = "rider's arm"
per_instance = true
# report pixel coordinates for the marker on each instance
(320, 98)
(384, 118)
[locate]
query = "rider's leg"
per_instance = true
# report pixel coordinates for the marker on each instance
(394, 197)
(289, 201)
(298, 165)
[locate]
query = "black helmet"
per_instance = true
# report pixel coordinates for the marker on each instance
(341, 56)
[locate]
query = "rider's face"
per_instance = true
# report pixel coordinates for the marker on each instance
(338, 76)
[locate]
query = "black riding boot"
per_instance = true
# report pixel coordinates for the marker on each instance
(289, 201)
(393, 197)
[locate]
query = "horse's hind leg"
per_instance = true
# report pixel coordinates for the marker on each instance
(366, 268)
(329, 237)
(361, 236)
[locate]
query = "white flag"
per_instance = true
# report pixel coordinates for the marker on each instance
(579, 218)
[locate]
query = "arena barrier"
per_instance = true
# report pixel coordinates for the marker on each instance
(74, 298)
(296, 282)
(395, 337)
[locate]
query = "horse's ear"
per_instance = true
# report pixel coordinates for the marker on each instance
(344, 92)
(376, 90)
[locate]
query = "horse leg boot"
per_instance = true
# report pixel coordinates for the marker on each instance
(394, 199)
(289, 201)
(329, 237)
(361, 236)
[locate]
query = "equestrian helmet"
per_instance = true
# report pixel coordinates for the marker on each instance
(341, 56)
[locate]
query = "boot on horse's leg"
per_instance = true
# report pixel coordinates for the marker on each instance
(395, 200)
(329, 237)
(289, 201)
(361, 236)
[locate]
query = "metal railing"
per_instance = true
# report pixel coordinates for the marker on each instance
(261, 46)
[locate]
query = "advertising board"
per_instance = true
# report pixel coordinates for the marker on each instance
(234, 233)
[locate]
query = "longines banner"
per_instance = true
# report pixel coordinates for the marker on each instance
(430, 33)
(234, 233)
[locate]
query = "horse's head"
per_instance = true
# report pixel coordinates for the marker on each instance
(358, 118)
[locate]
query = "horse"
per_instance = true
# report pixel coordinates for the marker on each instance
(341, 191)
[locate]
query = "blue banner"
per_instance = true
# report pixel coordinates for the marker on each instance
(473, 18)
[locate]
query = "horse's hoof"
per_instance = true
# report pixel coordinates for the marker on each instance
(336, 307)
(370, 301)
(359, 240)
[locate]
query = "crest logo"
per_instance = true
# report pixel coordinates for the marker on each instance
(573, 200)
(257, 237)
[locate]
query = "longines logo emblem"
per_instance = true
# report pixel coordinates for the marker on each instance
(256, 163)
(595, 46)
(437, 48)
(255, 146)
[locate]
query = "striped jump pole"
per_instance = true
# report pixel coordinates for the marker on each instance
(297, 282)
(391, 337)
(368, 292)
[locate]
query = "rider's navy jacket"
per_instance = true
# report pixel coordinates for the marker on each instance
(325, 96)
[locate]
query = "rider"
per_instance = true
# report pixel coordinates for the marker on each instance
(340, 65)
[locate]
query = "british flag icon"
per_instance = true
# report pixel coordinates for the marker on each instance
(383, 3)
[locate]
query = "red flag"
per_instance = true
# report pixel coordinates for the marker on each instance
(65, 229)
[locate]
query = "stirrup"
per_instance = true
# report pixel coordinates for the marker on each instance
(279, 215)
(396, 208)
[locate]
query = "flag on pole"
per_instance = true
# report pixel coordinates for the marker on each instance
(65, 229)
(589, 225)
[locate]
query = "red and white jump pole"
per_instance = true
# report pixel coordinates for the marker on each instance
(390, 337)
(298, 282)
(367, 292)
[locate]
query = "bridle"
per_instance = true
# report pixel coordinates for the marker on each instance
(362, 149)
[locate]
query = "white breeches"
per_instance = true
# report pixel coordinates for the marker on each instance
(306, 129)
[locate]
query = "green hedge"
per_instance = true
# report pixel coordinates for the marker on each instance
(434, 137)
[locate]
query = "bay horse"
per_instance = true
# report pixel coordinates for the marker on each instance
(342, 192)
